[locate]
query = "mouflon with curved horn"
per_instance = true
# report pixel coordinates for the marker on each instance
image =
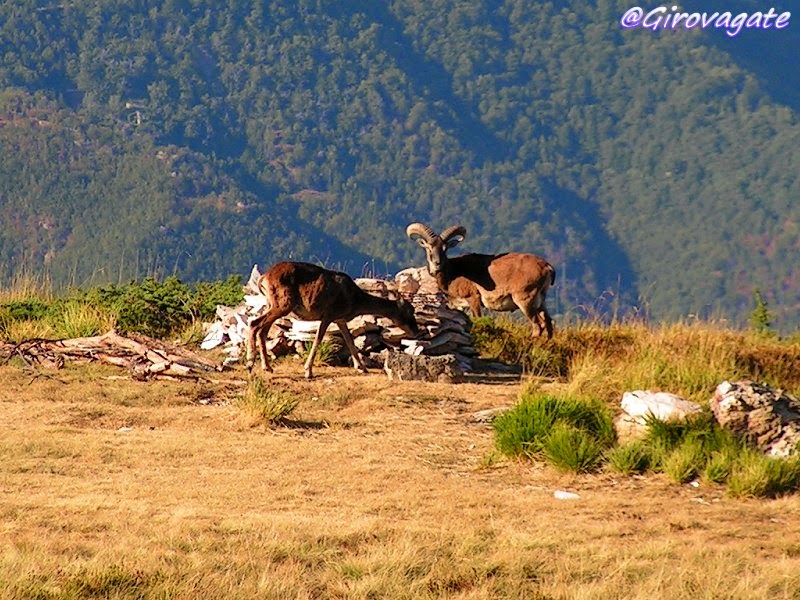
(503, 282)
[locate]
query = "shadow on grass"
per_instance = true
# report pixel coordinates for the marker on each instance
(493, 372)
(301, 424)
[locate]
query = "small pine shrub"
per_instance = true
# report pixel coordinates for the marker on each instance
(163, 308)
(267, 404)
(760, 317)
(206, 296)
(630, 458)
(571, 449)
(25, 310)
(155, 308)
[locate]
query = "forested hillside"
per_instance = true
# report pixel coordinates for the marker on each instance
(658, 171)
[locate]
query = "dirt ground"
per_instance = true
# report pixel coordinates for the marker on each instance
(98, 470)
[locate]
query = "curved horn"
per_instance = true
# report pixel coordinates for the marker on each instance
(422, 230)
(453, 231)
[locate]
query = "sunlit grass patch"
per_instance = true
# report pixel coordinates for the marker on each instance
(19, 331)
(603, 360)
(26, 286)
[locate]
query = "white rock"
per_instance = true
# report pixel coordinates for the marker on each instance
(562, 495)
(662, 405)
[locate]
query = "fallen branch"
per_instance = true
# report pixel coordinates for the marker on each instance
(144, 357)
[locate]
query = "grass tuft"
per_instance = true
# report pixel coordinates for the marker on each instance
(556, 428)
(757, 475)
(572, 449)
(719, 466)
(327, 352)
(685, 461)
(81, 319)
(630, 458)
(267, 404)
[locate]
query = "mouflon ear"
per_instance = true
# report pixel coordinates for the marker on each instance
(454, 241)
(454, 235)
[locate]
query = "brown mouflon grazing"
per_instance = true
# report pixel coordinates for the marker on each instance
(316, 294)
(502, 282)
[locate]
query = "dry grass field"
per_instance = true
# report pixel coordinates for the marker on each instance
(111, 488)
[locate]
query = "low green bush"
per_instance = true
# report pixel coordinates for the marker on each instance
(21, 310)
(151, 307)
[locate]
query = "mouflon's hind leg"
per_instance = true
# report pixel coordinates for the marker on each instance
(545, 323)
(259, 328)
(535, 311)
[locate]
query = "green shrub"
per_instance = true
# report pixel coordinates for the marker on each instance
(163, 308)
(572, 449)
(630, 458)
(207, 295)
(25, 310)
(155, 308)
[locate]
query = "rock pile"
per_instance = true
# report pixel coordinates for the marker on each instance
(443, 331)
